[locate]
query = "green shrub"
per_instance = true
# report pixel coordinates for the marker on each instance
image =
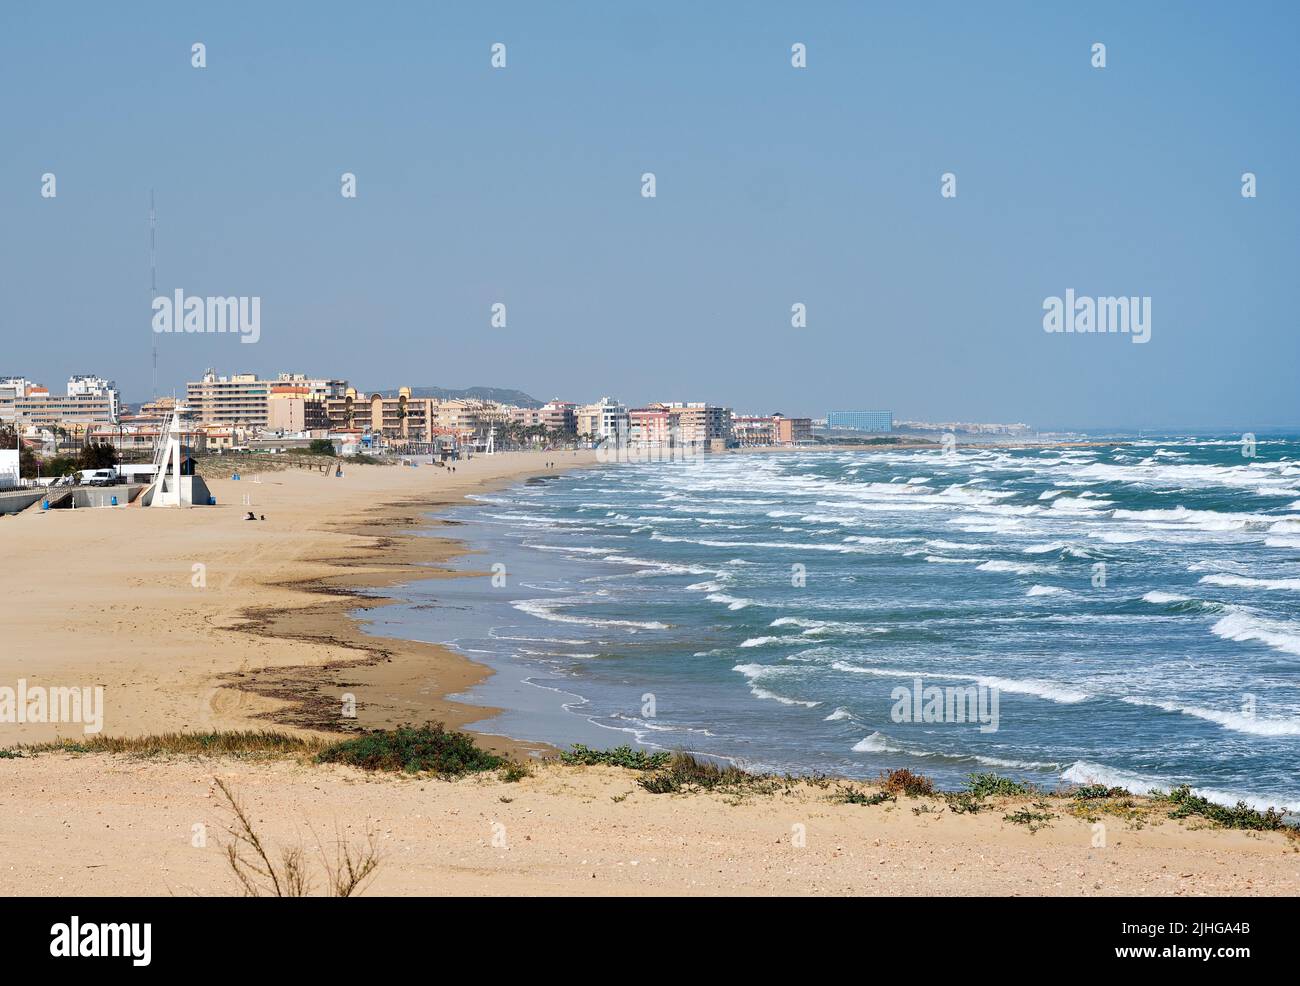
(1093, 792)
(1034, 819)
(991, 785)
(1241, 816)
(620, 756)
(963, 803)
(413, 750)
(684, 772)
(850, 795)
(514, 771)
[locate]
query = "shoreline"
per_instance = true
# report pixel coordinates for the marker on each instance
(194, 620)
(410, 542)
(279, 632)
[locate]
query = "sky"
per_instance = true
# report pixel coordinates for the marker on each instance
(774, 186)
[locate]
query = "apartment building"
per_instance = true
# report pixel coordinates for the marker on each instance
(606, 420)
(791, 431)
(560, 416)
(700, 425)
(244, 398)
(650, 426)
(753, 430)
(89, 401)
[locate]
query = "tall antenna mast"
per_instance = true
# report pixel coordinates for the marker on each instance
(153, 282)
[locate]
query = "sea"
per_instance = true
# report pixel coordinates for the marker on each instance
(1129, 610)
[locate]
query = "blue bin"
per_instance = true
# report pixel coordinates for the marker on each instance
(114, 503)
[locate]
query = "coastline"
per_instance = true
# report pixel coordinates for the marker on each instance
(273, 635)
(277, 635)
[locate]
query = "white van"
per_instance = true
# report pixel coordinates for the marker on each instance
(98, 477)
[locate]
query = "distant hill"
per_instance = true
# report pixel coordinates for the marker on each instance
(502, 395)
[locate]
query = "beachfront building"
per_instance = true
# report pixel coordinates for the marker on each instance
(700, 426)
(402, 418)
(874, 421)
(89, 401)
(650, 427)
(554, 416)
(749, 430)
(791, 431)
(245, 398)
(771, 429)
(294, 408)
(606, 420)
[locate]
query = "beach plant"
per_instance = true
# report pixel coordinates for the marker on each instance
(1093, 792)
(987, 785)
(1033, 819)
(250, 859)
(1241, 816)
(430, 748)
(684, 772)
(850, 795)
(963, 803)
(904, 781)
(620, 756)
(514, 771)
(237, 743)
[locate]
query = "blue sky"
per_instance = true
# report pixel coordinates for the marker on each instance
(775, 186)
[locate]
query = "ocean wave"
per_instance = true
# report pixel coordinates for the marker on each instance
(878, 742)
(1243, 582)
(755, 672)
(545, 609)
(1242, 626)
(1239, 722)
(1047, 590)
(1013, 567)
(1027, 686)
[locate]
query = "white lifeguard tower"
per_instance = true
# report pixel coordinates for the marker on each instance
(171, 488)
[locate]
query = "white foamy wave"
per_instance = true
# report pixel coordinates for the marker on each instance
(1084, 772)
(839, 715)
(1242, 582)
(1028, 686)
(1161, 598)
(1236, 721)
(755, 672)
(545, 609)
(733, 602)
(761, 641)
(1047, 590)
(1242, 626)
(1013, 567)
(876, 743)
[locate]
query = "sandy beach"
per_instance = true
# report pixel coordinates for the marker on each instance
(202, 620)
(263, 639)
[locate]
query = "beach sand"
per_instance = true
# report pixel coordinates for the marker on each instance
(198, 619)
(108, 597)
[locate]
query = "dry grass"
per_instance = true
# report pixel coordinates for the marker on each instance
(347, 875)
(235, 743)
